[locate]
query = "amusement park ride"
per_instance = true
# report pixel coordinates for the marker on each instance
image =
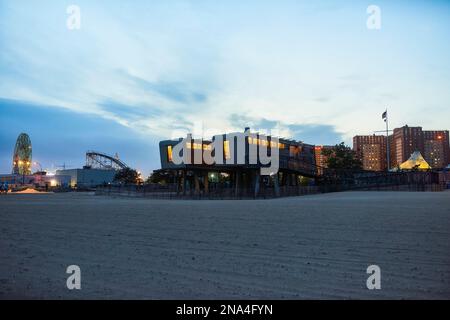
(22, 157)
(100, 160)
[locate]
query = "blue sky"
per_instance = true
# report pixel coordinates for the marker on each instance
(140, 71)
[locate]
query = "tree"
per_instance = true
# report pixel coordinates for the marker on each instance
(126, 176)
(161, 177)
(305, 181)
(342, 157)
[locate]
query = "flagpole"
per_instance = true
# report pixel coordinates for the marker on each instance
(387, 142)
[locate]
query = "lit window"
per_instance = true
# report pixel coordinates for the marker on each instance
(226, 149)
(169, 153)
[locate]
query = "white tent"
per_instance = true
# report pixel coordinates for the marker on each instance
(416, 161)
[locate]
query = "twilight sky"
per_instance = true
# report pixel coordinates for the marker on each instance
(141, 71)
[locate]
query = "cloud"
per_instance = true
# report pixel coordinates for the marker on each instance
(319, 134)
(176, 91)
(130, 112)
(159, 68)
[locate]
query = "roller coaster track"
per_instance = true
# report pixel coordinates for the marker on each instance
(100, 160)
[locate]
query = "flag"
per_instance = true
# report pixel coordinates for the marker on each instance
(384, 116)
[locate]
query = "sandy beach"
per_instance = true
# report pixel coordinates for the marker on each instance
(315, 246)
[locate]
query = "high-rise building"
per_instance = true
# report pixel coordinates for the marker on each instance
(436, 148)
(432, 144)
(321, 160)
(405, 141)
(371, 150)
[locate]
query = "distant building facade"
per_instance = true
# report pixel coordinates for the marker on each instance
(371, 150)
(403, 142)
(321, 159)
(100, 169)
(432, 144)
(36, 179)
(436, 148)
(88, 178)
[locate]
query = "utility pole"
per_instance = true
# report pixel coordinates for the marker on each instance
(385, 118)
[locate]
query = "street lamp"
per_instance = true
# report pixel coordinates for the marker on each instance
(385, 118)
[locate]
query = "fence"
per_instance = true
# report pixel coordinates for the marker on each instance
(223, 193)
